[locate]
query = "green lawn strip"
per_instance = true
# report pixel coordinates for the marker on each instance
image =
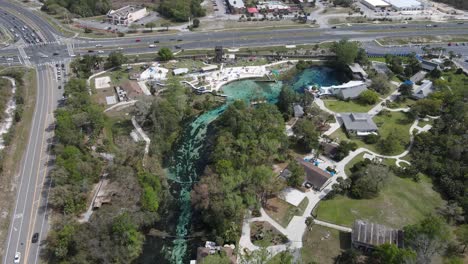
(282, 212)
(343, 106)
(322, 244)
(401, 202)
(401, 104)
(378, 59)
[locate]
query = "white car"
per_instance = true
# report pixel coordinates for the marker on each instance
(100, 51)
(17, 257)
(98, 45)
(120, 48)
(152, 46)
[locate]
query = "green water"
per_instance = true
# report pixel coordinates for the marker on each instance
(188, 166)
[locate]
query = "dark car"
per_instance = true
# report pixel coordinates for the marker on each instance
(179, 40)
(177, 47)
(435, 25)
(137, 40)
(55, 53)
(334, 27)
(35, 238)
(60, 86)
(90, 51)
(156, 41)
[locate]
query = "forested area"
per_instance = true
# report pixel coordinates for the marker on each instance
(248, 141)
(181, 10)
(113, 234)
(463, 4)
(84, 8)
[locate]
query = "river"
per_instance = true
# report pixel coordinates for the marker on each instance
(189, 164)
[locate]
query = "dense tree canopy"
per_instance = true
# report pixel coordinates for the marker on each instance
(181, 10)
(84, 8)
(368, 181)
(346, 52)
(115, 59)
(248, 140)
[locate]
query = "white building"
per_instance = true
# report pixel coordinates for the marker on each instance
(236, 6)
(376, 4)
(347, 90)
(405, 5)
(423, 90)
(126, 15)
(180, 71)
(154, 72)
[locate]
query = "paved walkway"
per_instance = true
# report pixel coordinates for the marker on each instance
(297, 227)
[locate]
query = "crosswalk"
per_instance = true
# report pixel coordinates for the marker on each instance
(42, 44)
(52, 63)
(24, 56)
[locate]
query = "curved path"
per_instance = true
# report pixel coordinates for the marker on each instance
(297, 227)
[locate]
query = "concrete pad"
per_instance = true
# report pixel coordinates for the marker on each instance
(102, 82)
(110, 100)
(292, 196)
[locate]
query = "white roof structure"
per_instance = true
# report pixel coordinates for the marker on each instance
(376, 3)
(404, 4)
(110, 100)
(209, 68)
(292, 196)
(351, 89)
(180, 71)
(237, 3)
(155, 73)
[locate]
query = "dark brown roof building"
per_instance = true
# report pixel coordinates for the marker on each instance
(315, 176)
(368, 235)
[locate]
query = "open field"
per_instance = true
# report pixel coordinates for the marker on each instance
(322, 244)
(282, 212)
(401, 202)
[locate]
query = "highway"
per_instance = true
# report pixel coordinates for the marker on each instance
(30, 210)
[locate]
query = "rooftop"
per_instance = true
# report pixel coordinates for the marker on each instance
(314, 175)
(423, 90)
(404, 3)
(375, 234)
(358, 122)
(124, 11)
(236, 3)
(377, 3)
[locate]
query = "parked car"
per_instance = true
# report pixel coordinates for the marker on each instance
(137, 40)
(17, 257)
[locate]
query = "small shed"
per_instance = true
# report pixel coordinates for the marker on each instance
(180, 71)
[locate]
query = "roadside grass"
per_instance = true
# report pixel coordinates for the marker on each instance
(13, 154)
(282, 212)
(422, 39)
(340, 106)
(396, 122)
(401, 202)
(263, 234)
(323, 244)
(408, 102)
(378, 59)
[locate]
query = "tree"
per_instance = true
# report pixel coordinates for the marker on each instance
(412, 65)
(368, 97)
(307, 134)
(115, 60)
(435, 74)
(349, 256)
(391, 144)
(362, 57)
(368, 181)
(126, 235)
(344, 149)
(406, 89)
(380, 83)
(286, 99)
(391, 254)
(297, 174)
(166, 25)
(346, 52)
(462, 236)
(394, 63)
(196, 22)
(150, 25)
(165, 54)
(426, 106)
(427, 237)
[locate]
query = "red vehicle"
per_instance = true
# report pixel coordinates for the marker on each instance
(137, 40)
(450, 44)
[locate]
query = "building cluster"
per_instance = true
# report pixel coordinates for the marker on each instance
(278, 7)
(398, 5)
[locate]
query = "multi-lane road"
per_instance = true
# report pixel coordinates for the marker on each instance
(41, 46)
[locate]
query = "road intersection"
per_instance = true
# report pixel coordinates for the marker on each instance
(51, 49)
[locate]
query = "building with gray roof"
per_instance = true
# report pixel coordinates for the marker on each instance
(423, 90)
(366, 235)
(347, 90)
(298, 111)
(358, 124)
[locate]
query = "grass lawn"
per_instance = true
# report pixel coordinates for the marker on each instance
(282, 212)
(263, 234)
(343, 106)
(378, 59)
(393, 121)
(402, 104)
(401, 202)
(322, 244)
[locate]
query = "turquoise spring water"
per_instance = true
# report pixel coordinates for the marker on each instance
(184, 173)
